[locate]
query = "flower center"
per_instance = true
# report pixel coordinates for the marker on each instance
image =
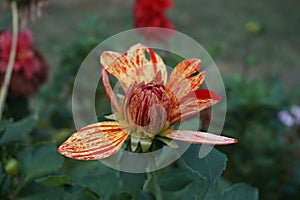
(147, 106)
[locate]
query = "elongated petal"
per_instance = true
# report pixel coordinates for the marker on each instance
(182, 71)
(196, 81)
(109, 92)
(94, 142)
(187, 67)
(150, 66)
(194, 103)
(195, 137)
(134, 66)
(182, 79)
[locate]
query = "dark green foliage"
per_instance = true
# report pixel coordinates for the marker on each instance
(4, 181)
(265, 155)
(45, 174)
(17, 131)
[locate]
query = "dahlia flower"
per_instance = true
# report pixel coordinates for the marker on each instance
(151, 104)
(30, 68)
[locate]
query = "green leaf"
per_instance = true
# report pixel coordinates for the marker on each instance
(85, 194)
(175, 179)
(47, 195)
(240, 191)
(210, 167)
(183, 183)
(4, 181)
(125, 196)
(18, 130)
(4, 124)
(132, 183)
(192, 123)
(53, 181)
(98, 178)
(146, 196)
(39, 160)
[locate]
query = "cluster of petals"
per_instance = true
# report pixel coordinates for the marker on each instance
(151, 104)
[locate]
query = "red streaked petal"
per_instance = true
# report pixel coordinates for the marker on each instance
(182, 81)
(188, 67)
(94, 142)
(117, 65)
(108, 57)
(207, 94)
(109, 92)
(134, 66)
(194, 103)
(182, 71)
(196, 81)
(196, 137)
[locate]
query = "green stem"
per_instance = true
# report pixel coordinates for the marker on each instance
(19, 188)
(152, 182)
(12, 56)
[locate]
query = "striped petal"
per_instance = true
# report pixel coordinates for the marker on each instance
(181, 82)
(186, 68)
(194, 103)
(195, 137)
(196, 81)
(134, 66)
(109, 92)
(94, 142)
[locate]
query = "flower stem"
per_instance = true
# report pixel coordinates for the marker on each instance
(12, 56)
(152, 182)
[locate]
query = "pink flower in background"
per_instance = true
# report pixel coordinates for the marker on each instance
(286, 118)
(30, 68)
(291, 118)
(148, 13)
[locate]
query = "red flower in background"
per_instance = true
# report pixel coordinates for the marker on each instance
(148, 13)
(30, 68)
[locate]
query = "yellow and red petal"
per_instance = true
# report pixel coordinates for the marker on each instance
(134, 66)
(150, 67)
(196, 137)
(187, 67)
(117, 65)
(94, 142)
(109, 92)
(193, 103)
(196, 81)
(183, 70)
(182, 79)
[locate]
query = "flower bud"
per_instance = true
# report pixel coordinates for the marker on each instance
(147, 106)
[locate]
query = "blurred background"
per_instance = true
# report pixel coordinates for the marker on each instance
(255, 45)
